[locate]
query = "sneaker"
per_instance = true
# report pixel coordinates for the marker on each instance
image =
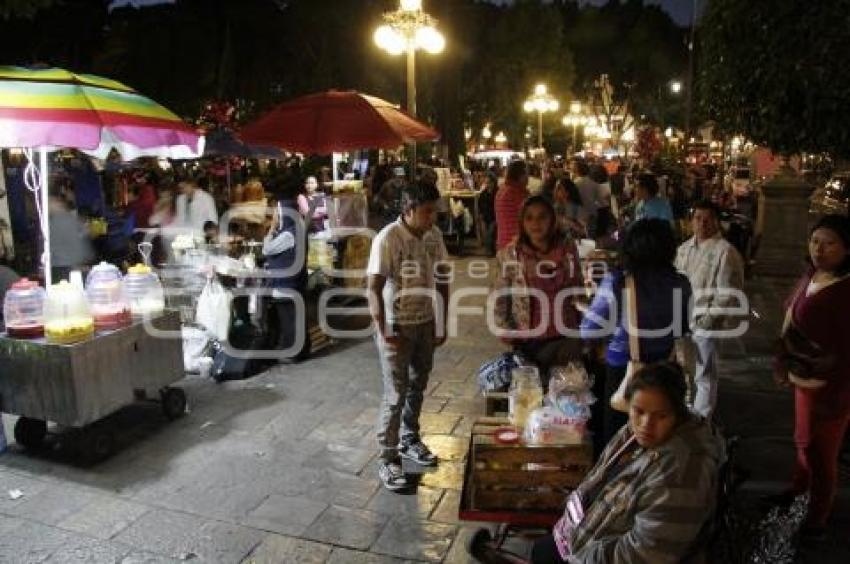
(418, 453)
(392, 476)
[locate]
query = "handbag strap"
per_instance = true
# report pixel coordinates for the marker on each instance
(632, 322)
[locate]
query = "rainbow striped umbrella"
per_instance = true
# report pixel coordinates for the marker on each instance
(55, 108)
(52, 108)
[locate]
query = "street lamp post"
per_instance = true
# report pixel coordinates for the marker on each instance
(574, 119)
(404, 31)
(541, 102)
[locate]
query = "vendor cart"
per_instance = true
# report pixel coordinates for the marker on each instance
(78, 385)
(520, 488)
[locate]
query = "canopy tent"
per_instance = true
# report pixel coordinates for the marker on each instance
(50, 108)
(336, 121)
(223, 143)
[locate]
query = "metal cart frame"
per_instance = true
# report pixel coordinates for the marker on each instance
(78, 385)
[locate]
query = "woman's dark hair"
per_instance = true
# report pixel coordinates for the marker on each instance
(554, 233)
(516, 170)
(649, 245)
(649, 183)
(582, 168)
(417, 193)
(287, 186)
(548, 189)
(666, 377)
(598, 174)
(573, 195)
(840, 225)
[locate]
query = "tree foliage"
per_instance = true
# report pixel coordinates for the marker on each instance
(255, 53)
(515, 47)
(22, 8)
(638, 46)
(774, 71)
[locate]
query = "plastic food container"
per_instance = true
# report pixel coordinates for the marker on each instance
(105, 291)
(23, 310)
(67, 316)
(143, 291)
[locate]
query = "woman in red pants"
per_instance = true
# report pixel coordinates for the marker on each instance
(814, 356)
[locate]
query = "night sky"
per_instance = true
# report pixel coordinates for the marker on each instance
(679, 9)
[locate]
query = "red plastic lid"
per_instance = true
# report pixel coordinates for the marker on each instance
(25, 284)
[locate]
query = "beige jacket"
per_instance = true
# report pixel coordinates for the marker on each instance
(711, 266)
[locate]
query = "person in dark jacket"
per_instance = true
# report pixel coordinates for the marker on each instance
(487, 211)
(285, 249)
(663, 300)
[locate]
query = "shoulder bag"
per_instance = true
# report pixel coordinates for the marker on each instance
(618, 400)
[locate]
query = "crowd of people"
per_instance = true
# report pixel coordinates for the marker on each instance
(660, 314)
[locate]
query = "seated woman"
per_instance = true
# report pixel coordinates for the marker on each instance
(539, 262)
(650, 497)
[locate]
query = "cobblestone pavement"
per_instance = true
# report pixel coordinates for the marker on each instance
(281, 467)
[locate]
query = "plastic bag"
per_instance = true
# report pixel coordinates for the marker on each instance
(547, 425)
(195, 347)
(213, 311)
(495, 375)
(569, 391)
(572, 377)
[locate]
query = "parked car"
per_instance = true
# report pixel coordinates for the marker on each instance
(832, 197)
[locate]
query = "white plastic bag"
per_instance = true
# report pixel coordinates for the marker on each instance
(213, 311)
(548, 426)
(195, 342)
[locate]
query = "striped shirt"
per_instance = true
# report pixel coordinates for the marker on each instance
(509, 201)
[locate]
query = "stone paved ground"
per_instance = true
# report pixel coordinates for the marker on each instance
(281, 467)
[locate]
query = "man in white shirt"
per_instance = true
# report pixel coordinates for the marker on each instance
(714, 267)
(194, 208)
(406, 275)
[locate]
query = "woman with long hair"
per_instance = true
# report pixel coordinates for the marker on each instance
(662, 295)
(534, 269)
(567, 202)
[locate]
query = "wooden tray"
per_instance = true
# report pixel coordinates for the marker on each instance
(518, 483)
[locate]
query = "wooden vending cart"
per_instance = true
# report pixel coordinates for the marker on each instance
(517, 486)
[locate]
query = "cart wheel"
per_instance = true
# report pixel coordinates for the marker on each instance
(97, 443)
(173, 403)
(30, 433)
(476, 544)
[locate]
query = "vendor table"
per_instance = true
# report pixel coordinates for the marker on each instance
(78, 385)
(520, 487)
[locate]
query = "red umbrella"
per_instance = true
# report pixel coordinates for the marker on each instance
(336, 121)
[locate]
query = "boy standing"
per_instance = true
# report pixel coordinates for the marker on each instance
(405, 277)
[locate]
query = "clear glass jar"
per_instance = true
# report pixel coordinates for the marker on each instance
(23, 310)
(105, 292)
(67, 317)
(525, 395)
(144, 291)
